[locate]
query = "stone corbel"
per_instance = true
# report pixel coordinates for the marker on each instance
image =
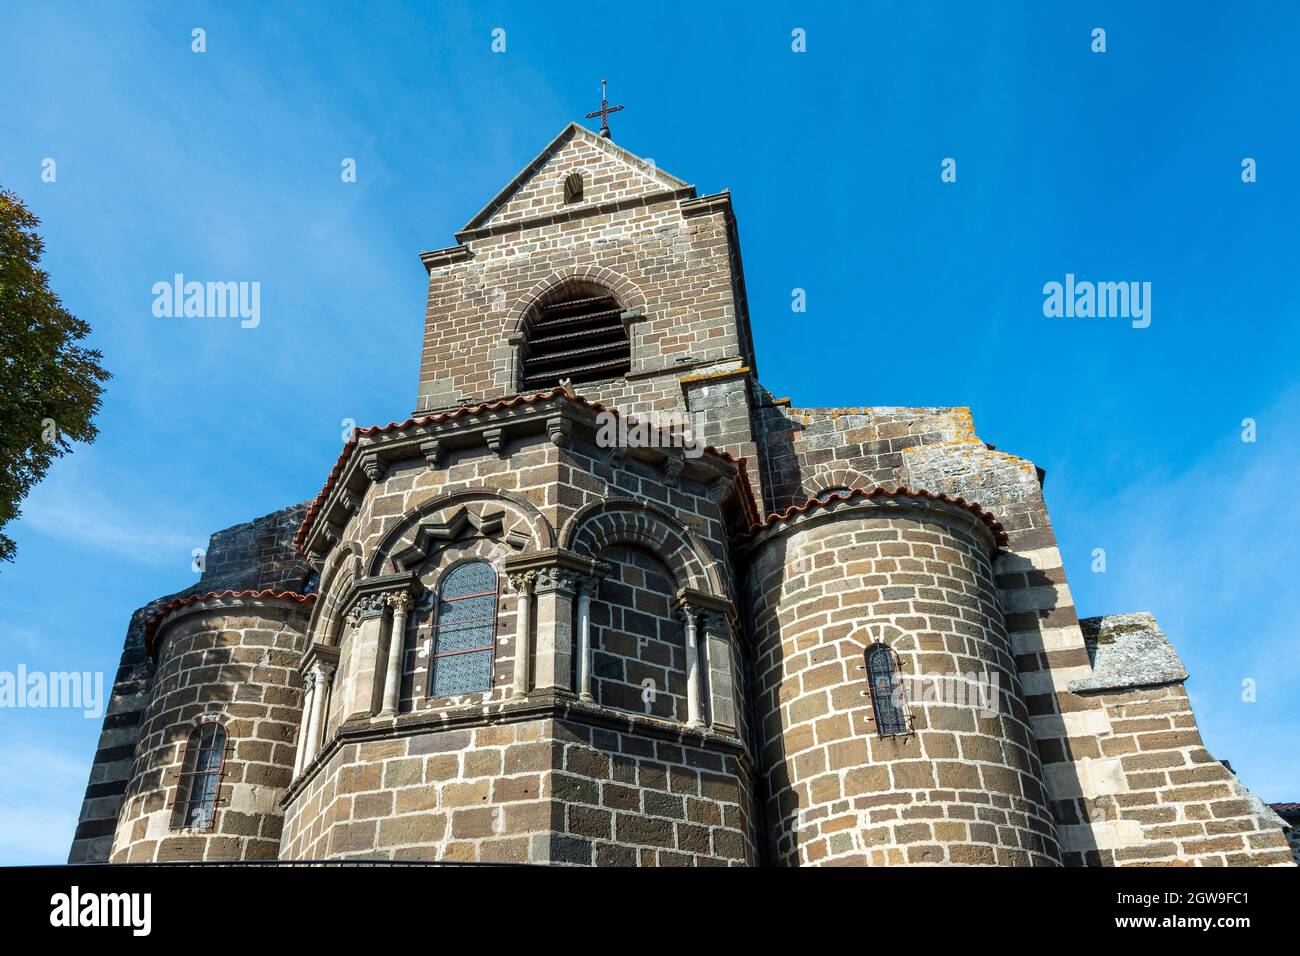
(432, 451)
(558, 430)
(494, 438)
(374, 466)
(673, 467)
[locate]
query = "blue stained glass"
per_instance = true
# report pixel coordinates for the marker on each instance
(466, 631)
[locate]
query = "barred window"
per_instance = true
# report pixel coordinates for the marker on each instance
(465, 631)
(578, 336)
(886, 691)
(200, 784)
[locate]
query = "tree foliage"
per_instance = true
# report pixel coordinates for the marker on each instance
(50, 386)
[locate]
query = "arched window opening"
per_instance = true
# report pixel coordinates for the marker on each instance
(578, 335)
(200, 783)
(886, 691)
(464, 639)
(573, 187)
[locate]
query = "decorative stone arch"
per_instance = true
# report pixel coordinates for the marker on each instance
(826, 478)
(579, 282)
(627, 521)
(344, 569)
(884, 632)
(412, 534)
(629, 295)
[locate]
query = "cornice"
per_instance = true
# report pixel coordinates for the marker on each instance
(559, 414)
(538, 705)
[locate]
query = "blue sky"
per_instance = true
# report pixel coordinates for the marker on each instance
(1117, 166)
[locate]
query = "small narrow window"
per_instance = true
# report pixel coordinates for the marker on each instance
(573, 187)
(200, 784)
(886, 691)
(464, 639)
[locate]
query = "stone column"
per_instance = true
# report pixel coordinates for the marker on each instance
(400, 602)
(523, 585)
(586, 589)
(689, 617)
(321, 674)
(308, 705)
(554, 589)
(721, 680)
(362, 691)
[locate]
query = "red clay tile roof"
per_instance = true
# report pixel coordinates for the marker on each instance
(153, 620)
(451, 415)
(1285, 808)
(999, 533)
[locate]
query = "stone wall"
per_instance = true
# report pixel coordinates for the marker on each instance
(636, 638)
(235, 662)
(253, 555)
(965, 785)
(531, 790)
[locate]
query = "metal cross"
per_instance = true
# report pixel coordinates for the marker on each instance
(603, 112)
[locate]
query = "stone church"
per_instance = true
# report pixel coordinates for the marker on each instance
(602, 599)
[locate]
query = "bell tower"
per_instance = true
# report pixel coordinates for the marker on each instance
(596, 267)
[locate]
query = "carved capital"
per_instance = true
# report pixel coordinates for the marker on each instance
(399, 600)
(366, 607)
(522, 581)
(322, 670)
(556, 579)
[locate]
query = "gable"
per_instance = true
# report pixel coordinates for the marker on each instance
(609, 172)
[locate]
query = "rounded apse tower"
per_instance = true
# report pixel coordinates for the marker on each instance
(216, 746)
(928, 771)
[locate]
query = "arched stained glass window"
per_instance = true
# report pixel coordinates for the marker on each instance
(886, 691)
(200, 784)
(465, 631)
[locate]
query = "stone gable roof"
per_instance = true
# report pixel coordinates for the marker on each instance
(599, 157)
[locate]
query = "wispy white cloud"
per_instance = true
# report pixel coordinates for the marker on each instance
(40, 800)
(70, 507)
(1212, 552)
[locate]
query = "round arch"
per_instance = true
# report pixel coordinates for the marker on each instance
(629, 295)
(626, 521)
(402, 534)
